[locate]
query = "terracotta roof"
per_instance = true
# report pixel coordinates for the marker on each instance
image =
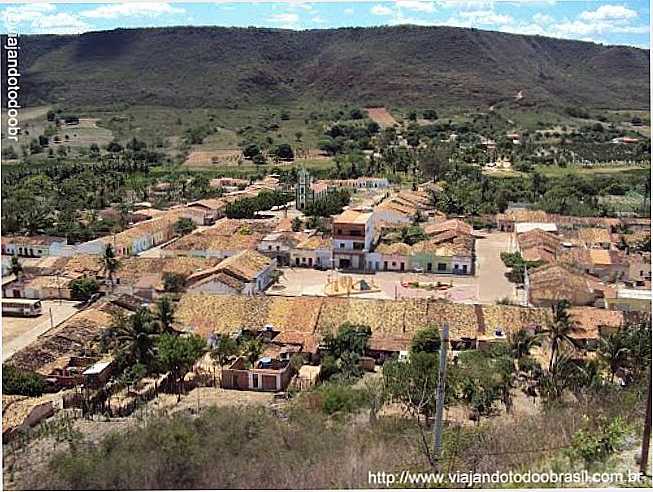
(401, 249)
(594, 235)
(206, 314)
(589, 321)
(388, 344)
(556, 282)
(456, 225)
(243, 267)
(315, 242)
(352, 216)
(37, 240)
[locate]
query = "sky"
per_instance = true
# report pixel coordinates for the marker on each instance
(600, 21)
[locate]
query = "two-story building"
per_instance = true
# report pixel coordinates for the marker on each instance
(353, 238)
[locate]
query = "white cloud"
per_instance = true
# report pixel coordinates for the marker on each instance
(609, 13)
(541, 18)
(26, 13)
(381, 10)
(416, 5)
(318, 20)
(136, 9)
(288, 20)
(486, 17)
(348, 11)
(60, 23)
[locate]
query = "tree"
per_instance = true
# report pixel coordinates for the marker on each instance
(50, 115)
(430, 114)
(284, 151)
(134, 337)
(114, 147)
(252, 350)
(356, 114)
(522, 342)
(613, 352)
(110, 262)
(83, 288)
(227, 347)
(177, 354)
(15, 267)
(426, 340)
(560, 330)
(165, 314)
(296, 224)
(250, 150)
(173, 282)
(184, 226)
(17, 382)
(350, 338)
(434, 161)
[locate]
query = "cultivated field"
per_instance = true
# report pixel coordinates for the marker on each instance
(382, 116)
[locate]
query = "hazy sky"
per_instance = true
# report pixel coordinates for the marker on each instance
(603, 21)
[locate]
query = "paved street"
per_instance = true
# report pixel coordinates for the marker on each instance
(18, 333)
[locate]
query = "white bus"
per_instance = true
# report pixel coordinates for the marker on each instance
(22, 307)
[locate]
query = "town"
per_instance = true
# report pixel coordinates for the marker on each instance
(324, 269)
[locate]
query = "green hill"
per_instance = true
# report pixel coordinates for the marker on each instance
(401, 66)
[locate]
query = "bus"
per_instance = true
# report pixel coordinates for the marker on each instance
(22, 307)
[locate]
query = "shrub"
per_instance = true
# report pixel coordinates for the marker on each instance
(17, 382)
(340, 398)
(596, 446)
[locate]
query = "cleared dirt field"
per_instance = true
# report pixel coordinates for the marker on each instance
(223, 157)
(382, 116)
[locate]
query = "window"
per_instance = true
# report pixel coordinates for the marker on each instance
(464, 268)
(338, 231)
(442, 267)
(359, 246)
(429, 267)
(255, 381)
(269, 247)
(342, 245)
(277, 248)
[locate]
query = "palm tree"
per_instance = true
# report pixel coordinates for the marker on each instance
(111, 263)
(522, 342)
(15, 268)
(136, 338)
(165, 314)
(613, 352)
(560, 330)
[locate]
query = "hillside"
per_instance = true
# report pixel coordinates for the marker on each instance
(401, 66)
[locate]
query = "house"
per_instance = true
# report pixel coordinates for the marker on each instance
(97, 375)
(454, 256)
(314, 251)
(538, 245)
(246, 273)
(266, 374)
(608, 265)
(141, 237)
(592, 323)
(390, 257)
(630, 300)
(549, 284)
(382, 348)
(353, 234)
(524, 227)
(362, 183)
(278, 245)
(225, 238)
(595, 237)
(228, 184)
(212, 209)
(39, 287)
(452, 225)
(639, 269)
(32, 246)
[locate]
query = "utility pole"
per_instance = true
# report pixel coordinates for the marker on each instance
(439, 394)
(646, 438)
